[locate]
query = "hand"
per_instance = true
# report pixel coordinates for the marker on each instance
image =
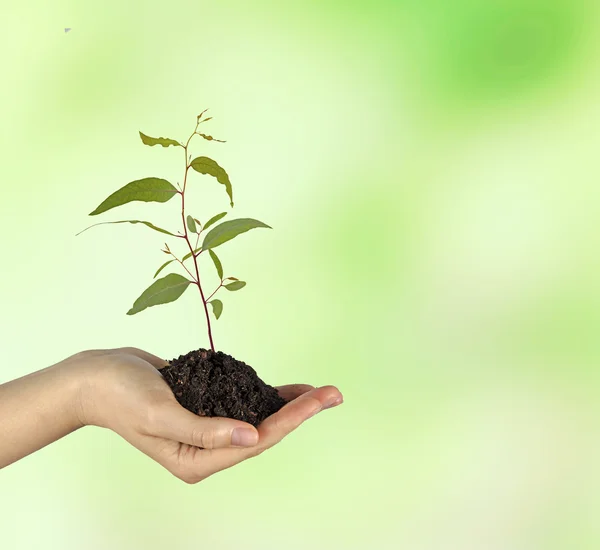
(124, 391)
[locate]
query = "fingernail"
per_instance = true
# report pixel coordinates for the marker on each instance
(333, 402)
(243, 437)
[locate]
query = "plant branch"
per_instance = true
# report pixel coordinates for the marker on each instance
(184, 267)
(215, 290)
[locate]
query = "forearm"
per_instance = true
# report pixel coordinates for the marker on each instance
(38, 409)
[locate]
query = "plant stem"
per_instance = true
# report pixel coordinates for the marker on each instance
(182, 193)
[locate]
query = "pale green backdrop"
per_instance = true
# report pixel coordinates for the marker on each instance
(430, 169)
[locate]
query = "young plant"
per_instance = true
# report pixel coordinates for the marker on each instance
(172, 286)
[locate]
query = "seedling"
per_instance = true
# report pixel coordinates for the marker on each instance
(172, 286)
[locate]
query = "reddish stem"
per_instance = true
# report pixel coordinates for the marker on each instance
(185, 235)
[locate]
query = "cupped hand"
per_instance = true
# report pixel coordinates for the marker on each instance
(123, 390)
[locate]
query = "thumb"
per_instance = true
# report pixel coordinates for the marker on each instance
(171, 421)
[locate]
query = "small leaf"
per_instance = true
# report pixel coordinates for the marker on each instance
(210, 138)
(217, 263)
(162, 267)
(146, 190)
(151, 225)
(214, 219)
(232, 278)
(198, 222)
(206, 119)
(235, 285)
(191, 224)
(204, 165)
(165, 142)
(217, 306)
(163, 291)
(189, 254)
(228, 230)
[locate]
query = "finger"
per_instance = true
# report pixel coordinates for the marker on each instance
(274, 428)
(170, 420)
(154, 360)
(291, 391)
(173, 456)
(203, 463)
(164, 451)
(198, 464)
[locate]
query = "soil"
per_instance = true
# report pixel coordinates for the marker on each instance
(212, 383)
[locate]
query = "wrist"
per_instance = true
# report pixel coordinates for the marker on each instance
(91, 374)
(74, 377)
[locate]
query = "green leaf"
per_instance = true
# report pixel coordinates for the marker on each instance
(146, 190)
(228, 230)
(151, 225)
(191, 224)
(204, 165)
(210, 138)
(189, 254)
(165, 142)
(214, 219)
(217, 306)
(235, 285)
(163, 291)
(217, 263)
(162, 267)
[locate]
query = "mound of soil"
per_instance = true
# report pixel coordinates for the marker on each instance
(210, 383)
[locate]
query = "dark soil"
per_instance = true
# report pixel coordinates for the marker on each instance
(212, 383)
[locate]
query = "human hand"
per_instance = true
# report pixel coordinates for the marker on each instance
(122, 390)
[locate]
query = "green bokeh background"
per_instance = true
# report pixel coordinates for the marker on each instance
(430, 169)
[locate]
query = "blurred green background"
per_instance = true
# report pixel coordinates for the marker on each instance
(430, 170)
